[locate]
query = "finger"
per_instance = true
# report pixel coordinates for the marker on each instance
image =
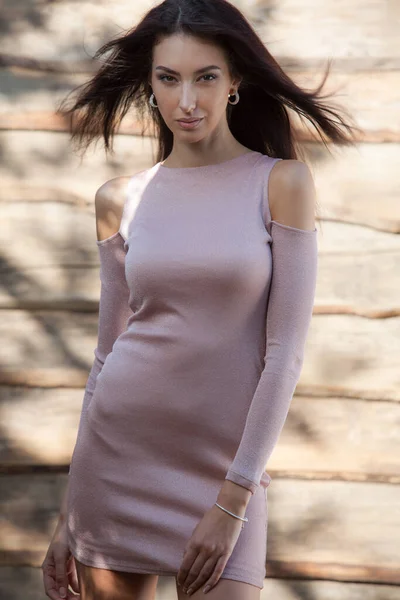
(72, 596)
(61, 573)
(73, 577)
(205, 574)
(50, 586)
(218, 570)
(195, 570)
(188, 560)
(49, 578)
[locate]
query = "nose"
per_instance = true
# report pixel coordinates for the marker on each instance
(187, 101)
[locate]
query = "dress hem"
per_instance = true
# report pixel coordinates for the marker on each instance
(235, 575)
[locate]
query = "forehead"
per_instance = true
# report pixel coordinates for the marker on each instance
(184, 52)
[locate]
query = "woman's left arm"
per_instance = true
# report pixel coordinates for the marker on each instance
(291, 221)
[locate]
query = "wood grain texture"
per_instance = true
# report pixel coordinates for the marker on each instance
(71, 30)
(370, 97)
(357, 271)
(55, 266)
(344, 355)
(358, 185)
(39, 427)
(40, 161)
(354, 185)
(359, 64)
(42, 121)
(351, 356)
(315, 529)
(27, 583)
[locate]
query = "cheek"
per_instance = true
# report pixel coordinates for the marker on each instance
(167, 103)
(220, 103)
(215, 108)
(215, 97)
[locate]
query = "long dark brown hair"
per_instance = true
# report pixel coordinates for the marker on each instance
(261, 120)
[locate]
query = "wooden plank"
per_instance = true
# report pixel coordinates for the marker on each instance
(49, 121)
(344, 285)
(54, 234)
(354, 185)
(40, 121)
(22, 64)
(26, 583)
(334, 530)
(57, 264)
(340, 438)
(353, 357)
(309, 29)
(359, 64)
(54, 343)
(371, 97)
(47, 161)
(68, 29)
(323, 438)
(39, 426)
(43, 347)
(348, 182)
(37, 91)
(295, 589)
(46, 348)
(51, 288)
(357, 271)
(335, 523)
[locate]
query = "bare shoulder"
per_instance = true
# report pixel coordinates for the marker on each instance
(292, 194)
(109, 204)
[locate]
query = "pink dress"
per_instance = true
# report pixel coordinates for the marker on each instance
(204, 312)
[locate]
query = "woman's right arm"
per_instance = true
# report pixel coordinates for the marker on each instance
(114, 310)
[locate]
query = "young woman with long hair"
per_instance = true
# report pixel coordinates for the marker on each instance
(208, 267)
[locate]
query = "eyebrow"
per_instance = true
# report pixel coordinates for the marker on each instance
(202, 70)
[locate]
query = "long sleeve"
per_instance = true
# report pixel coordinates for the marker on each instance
(288, 316)
(114, 310)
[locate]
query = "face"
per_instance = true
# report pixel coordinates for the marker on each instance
(190, 79)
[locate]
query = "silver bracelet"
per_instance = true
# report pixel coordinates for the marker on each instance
(233, 514)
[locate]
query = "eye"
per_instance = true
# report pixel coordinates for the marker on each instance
(210, 75)
(161, 77)
(164, 77)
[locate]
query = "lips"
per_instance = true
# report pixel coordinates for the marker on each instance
(189, 124)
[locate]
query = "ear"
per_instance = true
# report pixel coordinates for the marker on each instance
(236, 82)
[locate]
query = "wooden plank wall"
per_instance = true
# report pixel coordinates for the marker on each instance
(334, 518)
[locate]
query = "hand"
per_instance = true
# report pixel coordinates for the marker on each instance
(59, 568)
(208, 550)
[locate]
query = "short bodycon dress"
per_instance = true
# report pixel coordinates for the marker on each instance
(204, 311)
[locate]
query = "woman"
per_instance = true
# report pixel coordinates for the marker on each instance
(208, 271)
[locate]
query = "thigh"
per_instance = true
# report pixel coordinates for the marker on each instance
(225, 588)
(105, 584)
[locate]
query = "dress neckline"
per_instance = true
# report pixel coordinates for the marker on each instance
(202, 168)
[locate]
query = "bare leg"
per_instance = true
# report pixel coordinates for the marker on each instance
(105, 584)
(225, 588)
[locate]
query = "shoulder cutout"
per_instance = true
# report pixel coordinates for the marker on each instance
(268, 165)
(292, 195)
(109, 203)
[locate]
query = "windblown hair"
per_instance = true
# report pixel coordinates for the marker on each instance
(260, 121)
